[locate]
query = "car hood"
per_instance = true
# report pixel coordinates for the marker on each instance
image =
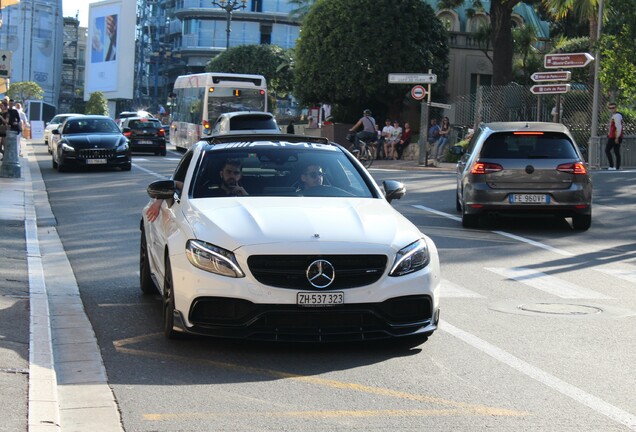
(248, 221)
(94, 140)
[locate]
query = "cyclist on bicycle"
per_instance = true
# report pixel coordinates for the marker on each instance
(369, 129)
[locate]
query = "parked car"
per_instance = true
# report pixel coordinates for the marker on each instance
(55, 123)
(90, 141)
(287, 262)
(145, 135)
(523, 168)
(243, 122)
(125, 114)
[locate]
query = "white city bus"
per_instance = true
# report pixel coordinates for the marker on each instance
(200, 98)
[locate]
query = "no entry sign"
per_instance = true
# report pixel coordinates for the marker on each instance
(418, 92)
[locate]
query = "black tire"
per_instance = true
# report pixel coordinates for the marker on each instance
(470, 220)
(458, 205)
(168, 304)
(53, 163)
(60, 165)
(582, 222)
(127, 167)
(145, 281)
(163, 153)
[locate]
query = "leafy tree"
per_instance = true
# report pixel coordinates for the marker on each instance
(271, 61)
(346, 52)
(97, 104)
(528, 60)
(617, 68)
(25, 90)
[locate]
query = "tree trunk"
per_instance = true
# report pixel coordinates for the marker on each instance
(501, 23)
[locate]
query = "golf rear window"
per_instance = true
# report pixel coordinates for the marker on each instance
(528, 145)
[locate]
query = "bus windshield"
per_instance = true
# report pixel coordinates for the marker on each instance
(199, 99)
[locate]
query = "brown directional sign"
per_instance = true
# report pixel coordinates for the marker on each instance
(570, 60)
(551, 76)
(550, 88)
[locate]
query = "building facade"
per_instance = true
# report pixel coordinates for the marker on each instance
(177, 37)
(73, 66)
(33, 31)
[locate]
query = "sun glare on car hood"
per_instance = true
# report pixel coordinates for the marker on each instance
(236, 222)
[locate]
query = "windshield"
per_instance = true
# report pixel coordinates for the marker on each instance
(524, 145)
(267, 170)
(85, 126)
(225, 99)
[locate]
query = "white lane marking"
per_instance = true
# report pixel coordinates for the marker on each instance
(502, 233)
(626, 275)
(452, 290)
(595, 403)
(550, 284)
(159, 176)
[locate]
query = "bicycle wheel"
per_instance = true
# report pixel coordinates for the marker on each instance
(366, 156)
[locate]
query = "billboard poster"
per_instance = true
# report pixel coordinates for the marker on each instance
(103, 40)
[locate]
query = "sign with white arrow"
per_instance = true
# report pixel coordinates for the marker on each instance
(407, 78)
(550, 88)
(551, 76)
(570, 60)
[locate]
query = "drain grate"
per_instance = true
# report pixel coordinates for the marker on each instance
(560, 309)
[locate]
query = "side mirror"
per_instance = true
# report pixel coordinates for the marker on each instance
(55, 131)
(457, 150)
(162, 189)
(126, 129)
(393, 190)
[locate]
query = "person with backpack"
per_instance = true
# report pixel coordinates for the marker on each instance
(614, 137)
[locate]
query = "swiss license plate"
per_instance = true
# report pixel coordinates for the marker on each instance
(95, 161)
(320, 298)
(144, 142)
(529, 199)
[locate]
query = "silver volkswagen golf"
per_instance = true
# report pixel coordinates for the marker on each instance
(523, 168)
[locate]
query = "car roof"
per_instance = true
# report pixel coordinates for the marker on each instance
(246, 113)
(141, 118)
(255, 137)
(526, 126)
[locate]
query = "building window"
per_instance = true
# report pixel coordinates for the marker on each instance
(257, 6)
(266, 34)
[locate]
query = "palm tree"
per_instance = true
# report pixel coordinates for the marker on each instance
(584, 10)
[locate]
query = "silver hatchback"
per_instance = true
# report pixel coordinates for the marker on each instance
(523, 168)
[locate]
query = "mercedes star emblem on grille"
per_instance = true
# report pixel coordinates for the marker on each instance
(321, 273)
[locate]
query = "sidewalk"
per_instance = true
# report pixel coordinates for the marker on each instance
(52, 376)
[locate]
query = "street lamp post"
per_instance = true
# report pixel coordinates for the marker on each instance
(229, 6)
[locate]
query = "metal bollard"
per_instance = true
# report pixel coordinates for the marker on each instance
(11, 162)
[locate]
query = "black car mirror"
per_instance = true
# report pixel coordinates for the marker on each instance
(393, 190)
(126, 129)
(55, 131)
(457, 150)
(162, 189)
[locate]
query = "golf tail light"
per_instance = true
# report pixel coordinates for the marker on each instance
(485, 168)
(572, 168)
(212, 259)
(206, 125)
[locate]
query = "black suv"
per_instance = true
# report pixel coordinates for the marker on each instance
(145, 135)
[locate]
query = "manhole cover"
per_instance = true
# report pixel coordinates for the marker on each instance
(560, 309)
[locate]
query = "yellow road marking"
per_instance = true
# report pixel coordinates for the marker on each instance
(459, 407)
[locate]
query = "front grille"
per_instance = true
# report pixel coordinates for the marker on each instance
(96, 153)
(290, 271)
(227, 317)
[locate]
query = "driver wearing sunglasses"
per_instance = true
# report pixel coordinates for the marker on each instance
(311, 177)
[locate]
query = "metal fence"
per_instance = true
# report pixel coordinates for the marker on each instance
(517, 103)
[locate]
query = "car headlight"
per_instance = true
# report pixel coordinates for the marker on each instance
(410, 259)
(67, 148)
(212, 259)
(123, 147)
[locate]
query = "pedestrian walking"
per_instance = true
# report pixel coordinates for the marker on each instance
(614, 137)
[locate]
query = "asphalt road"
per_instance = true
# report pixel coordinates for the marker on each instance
(537, 333)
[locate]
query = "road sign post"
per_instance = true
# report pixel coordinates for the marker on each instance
(5, 64)
(569, 60)
(540, 89)
(408, 78)
(551, 76)
(418, 92)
